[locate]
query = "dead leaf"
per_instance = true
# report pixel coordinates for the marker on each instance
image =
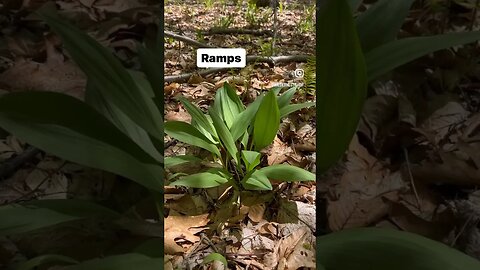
(357, 199)
(182, 227)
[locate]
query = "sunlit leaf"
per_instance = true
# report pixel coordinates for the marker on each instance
(186, 133)
(209, 179)
(287, 173)
(267, 121)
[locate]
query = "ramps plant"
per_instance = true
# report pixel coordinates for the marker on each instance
(235, 135)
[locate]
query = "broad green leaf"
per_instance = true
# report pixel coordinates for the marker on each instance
(224, 134)
(152, 248)
(287, 173)
(285, 111)
(232, 94)
(152, 66)
(257, 181)
(199, 117)
(342, 82)
(68, 128)
(267, 121)
(106, 71)
(44, 259)
(24, 219)
(174, 161)
(209, 179)
(40, 214)
(74, 207)
(127, 261)
(215, 257)
(228, 103)
(251, 159)
(396, 53)
(245, 118)
(284, 99)
(373, 248)
(94, 98)
(186, 133)
(354, 4)
(381, 22)
(204, 131)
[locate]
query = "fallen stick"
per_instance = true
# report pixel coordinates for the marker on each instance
(187, 40)
(250, 59)
(241, 31)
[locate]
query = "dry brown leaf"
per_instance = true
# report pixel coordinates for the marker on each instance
(182, 227)
(278, 152)
(293, 252)
(443, 119)
(357, 200)
(256, 212)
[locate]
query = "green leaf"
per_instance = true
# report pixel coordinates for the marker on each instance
(68, 128)
(151, 248)
(174, 161)
(257, 181)
(373, 248)
(284, 99)
(245, 118)
(94, 98)
(228, 104)
(342, 82)
(224, 134)
(251, 159)
(381, 22)
(106, 71)
(396, 53)
(40, 214)
(267, 121)
(354, 4)
(209, 179)
(44, 259)
(153, 67)
(294, 107)
(215, 257)
(287, 173)
(199, 117)
(186, 133)
(127, 261)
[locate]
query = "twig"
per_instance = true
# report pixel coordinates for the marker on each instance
(461, 230)
(216, 30)
(187, 40)
(474, 15)
(13, 164)
(411, 179)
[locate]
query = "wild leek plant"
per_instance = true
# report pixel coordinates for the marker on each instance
(235, 135)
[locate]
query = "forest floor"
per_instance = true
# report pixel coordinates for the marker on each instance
(413, 165)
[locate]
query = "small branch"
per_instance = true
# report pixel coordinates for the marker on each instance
(11, 165)
(405, 152)
(250, 59)
(187, 40)
(240, 31)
